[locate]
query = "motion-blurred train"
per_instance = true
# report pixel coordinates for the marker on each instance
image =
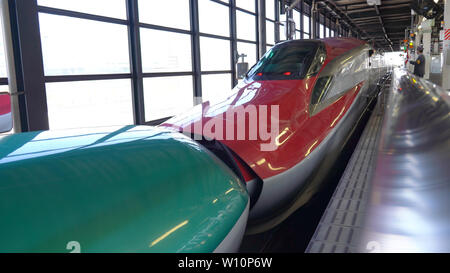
(154, 189)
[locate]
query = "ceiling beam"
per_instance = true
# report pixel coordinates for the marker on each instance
(357, 2)
(372, 13)
(368, 8)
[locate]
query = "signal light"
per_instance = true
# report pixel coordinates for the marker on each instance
(287, 73)
(259, 74)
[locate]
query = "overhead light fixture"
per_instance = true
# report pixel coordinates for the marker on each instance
(374, 2)
(436, 1)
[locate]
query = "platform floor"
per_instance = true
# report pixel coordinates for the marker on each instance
(340, 226)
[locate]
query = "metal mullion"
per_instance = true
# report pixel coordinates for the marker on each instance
(168, 29)
(257, 28)
(24, 19)
(219, 2)
(277, 21)
(81, 15)
(302, 15)
(233, 42)
(246, 11)
(136, 62)
(167, 74)
(216, 72)
(94, 77)
(214, 36)
(195, 47)
(246, 41)
(262, 33)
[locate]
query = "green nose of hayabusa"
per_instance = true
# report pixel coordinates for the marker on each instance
(130, 189)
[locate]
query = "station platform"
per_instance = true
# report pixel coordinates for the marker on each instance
(340, 227)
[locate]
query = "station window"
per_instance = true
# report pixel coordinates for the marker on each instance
(167, 96)
(166, 54)
(215, 54)
(321, 30)
(3, 72)
(270, 32)
(216, 87)
(297, 18)
(89, 103)
(72, 46)
(249, 50)
(270, 9)
(327, 32)
(172, 52)
(116, 8)
(246, 26)
(214, 18)
(160, 13)
(246, 31)
(4, 88)
(270, 23)
(306, 26)
(249, 5)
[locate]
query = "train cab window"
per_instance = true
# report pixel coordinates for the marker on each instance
(286, 61)
(339, 76)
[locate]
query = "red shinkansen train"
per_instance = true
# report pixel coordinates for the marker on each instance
(315, 91)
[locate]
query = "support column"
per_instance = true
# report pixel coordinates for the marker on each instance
(11, 71)
(446, 49)
(427, 52)
(196, 62)
(29, 67)
(262, 28)
(136, 62)
(314, 20)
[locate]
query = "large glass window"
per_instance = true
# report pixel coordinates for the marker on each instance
(175, 14)
(249, 50)
(296, 18)
(89, 104)
(167, 96)
(306, 21)
(168, 52)
(171, 52)
(246, 26)
(270, 32)
(246, 4)
(214, 18)
(270, 9)
(73, 46)
(109, 8)
(321, 30)
(215, 54)
(3, 73)
(97, 51)
(216, 87)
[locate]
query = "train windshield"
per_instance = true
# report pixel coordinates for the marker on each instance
(287, 61)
